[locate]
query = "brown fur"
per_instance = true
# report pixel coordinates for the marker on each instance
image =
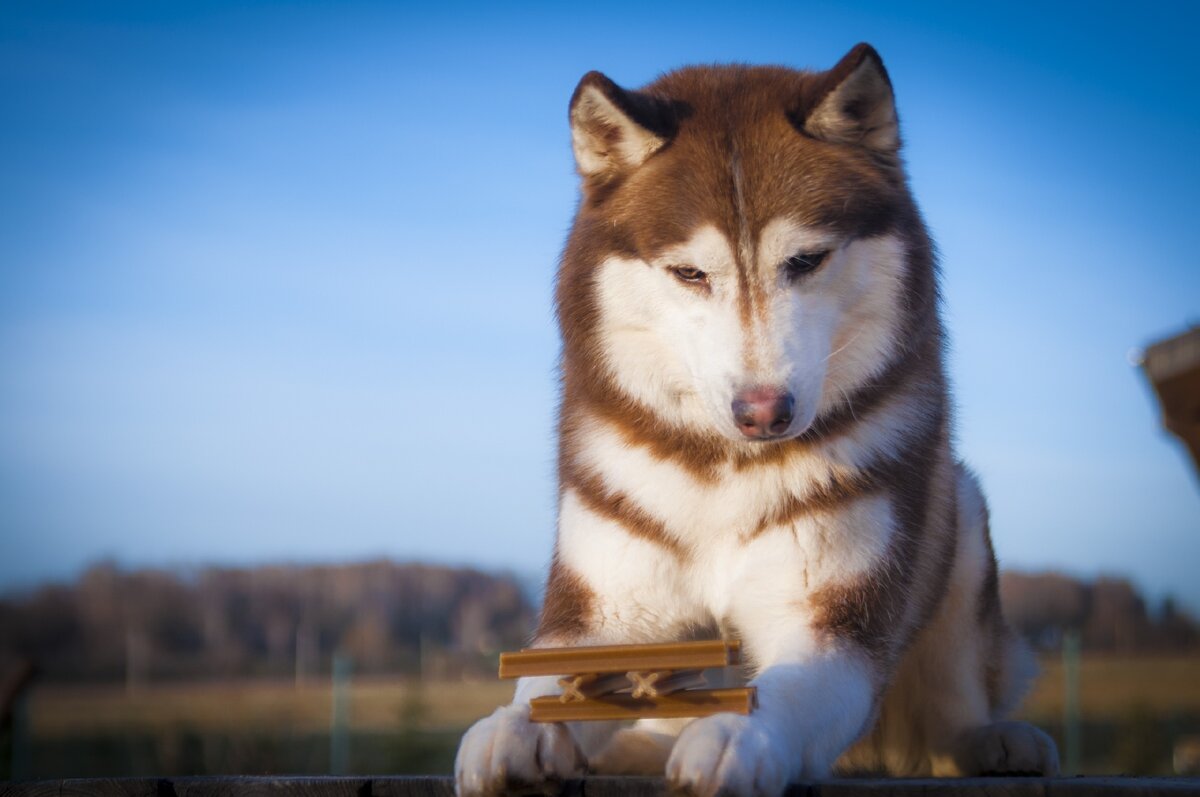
(724, 115)
(618, 508)
(880, 610)
(567, 608)
(735, 151)
(731, 147)
(991, 617)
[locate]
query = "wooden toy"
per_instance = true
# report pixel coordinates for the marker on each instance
(627, 682)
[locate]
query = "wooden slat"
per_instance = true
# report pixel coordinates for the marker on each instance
(90, 787)
(690, 703)
(597, 786)
(413, 786)
(242, 786)
(620, 658)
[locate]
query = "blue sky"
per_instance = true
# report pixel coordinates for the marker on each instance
(275, 279)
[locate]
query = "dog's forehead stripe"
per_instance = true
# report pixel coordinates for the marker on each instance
(738, 131)
(743, 248)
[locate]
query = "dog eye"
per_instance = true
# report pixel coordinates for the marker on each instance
(689, 274)
(797, 266)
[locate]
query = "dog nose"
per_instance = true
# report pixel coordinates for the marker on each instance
(763, 412)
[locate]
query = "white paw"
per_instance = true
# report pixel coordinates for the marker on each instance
(507, 752)
(1008, 748)
(728, 754)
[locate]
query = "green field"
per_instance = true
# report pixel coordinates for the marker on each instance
(1112, 686)
(1133, 711)
(376, 705)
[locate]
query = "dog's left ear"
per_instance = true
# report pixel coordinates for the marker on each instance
(614, 130)
(853, 104)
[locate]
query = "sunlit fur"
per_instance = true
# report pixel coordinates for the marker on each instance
(684, 351)
(850, 553)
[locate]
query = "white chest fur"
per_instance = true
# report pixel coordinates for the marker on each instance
(718, 562)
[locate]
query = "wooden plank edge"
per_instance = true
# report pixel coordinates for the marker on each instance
(602, 786)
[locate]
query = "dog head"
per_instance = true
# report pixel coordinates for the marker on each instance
(746, 253)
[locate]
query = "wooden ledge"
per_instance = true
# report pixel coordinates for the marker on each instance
(442, 786)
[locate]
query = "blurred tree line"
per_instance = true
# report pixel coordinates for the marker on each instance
(277, 620)
(1109, 613)
(411, 619)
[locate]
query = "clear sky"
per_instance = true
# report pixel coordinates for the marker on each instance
(275, 278)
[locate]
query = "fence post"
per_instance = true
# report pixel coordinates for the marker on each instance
(339, 725)
(22, 754)
(1071, 720)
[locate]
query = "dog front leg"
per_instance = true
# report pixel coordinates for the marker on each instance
(507, 752)
(814, 700)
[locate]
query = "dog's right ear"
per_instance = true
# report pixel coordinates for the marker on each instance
(853, 104)
(614, 130)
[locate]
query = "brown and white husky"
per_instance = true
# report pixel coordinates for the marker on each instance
(755, 441)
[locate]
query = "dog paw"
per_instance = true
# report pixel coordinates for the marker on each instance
(727, 754)
(506, 752)
(1007, 748)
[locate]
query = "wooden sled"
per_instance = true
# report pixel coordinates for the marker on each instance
(628, 682)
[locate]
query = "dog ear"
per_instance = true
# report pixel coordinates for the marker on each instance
(614, 130)
(853, 104)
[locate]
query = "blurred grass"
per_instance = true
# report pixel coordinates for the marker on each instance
(249, 727)
(1112, 686)
(1133, 711)
(375, 705)
(1109, 688)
